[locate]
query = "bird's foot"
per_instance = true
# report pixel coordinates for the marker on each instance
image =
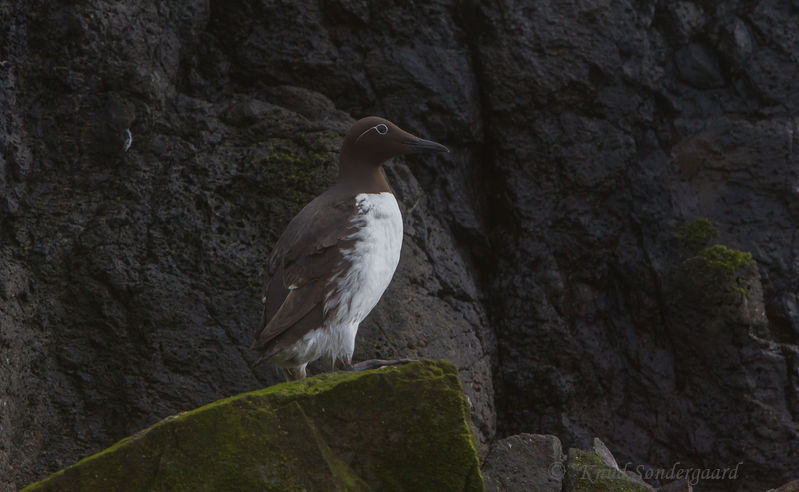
(295, 373)
(377, 363)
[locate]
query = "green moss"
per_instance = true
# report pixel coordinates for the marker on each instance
(721, 259)
(717, 267)
(404, 427)
(697, 234)
(586, 472)
(710, 271)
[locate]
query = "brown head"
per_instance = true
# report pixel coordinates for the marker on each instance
(372, 141)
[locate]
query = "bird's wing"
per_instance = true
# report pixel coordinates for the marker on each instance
(305, 256)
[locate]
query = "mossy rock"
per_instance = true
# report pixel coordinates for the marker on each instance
(719, 260)
(696, 234)
(397, 428)
(586, 471)
(718, 270)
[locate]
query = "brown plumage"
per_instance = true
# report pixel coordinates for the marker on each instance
(312, 281)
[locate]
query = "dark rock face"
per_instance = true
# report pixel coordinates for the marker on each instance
(525, 462)
(540, 253)
(616, 140)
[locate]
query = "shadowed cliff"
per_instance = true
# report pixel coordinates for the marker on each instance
(543, 256)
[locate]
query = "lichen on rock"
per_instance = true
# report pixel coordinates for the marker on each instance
(398, 428)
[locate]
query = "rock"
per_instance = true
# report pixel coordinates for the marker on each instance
(676, 486)
(699, 66)
(791, 486)
(604, 453)
(525, 462)
(586, 199)
(607, 457)
(588, 471)
(404, 427)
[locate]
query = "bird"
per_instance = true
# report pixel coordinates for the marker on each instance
(337, 256)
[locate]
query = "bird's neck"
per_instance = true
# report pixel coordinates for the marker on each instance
(366, 178)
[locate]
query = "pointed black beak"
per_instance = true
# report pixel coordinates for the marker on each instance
(421, 145)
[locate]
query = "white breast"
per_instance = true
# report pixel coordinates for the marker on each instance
(373, 259)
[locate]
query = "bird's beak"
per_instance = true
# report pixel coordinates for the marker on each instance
(421, 145)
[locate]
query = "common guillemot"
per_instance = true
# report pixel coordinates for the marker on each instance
(337, 256)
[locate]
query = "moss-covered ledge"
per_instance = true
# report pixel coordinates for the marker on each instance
(397, 428)
(713, 274)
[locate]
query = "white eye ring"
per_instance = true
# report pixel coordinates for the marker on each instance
(382, 129)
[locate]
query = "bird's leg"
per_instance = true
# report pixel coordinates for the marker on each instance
(376, 363)
(294, 373)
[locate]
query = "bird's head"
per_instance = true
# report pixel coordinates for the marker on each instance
(373, 140)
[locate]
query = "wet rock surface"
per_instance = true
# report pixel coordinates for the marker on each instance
(541, 255)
